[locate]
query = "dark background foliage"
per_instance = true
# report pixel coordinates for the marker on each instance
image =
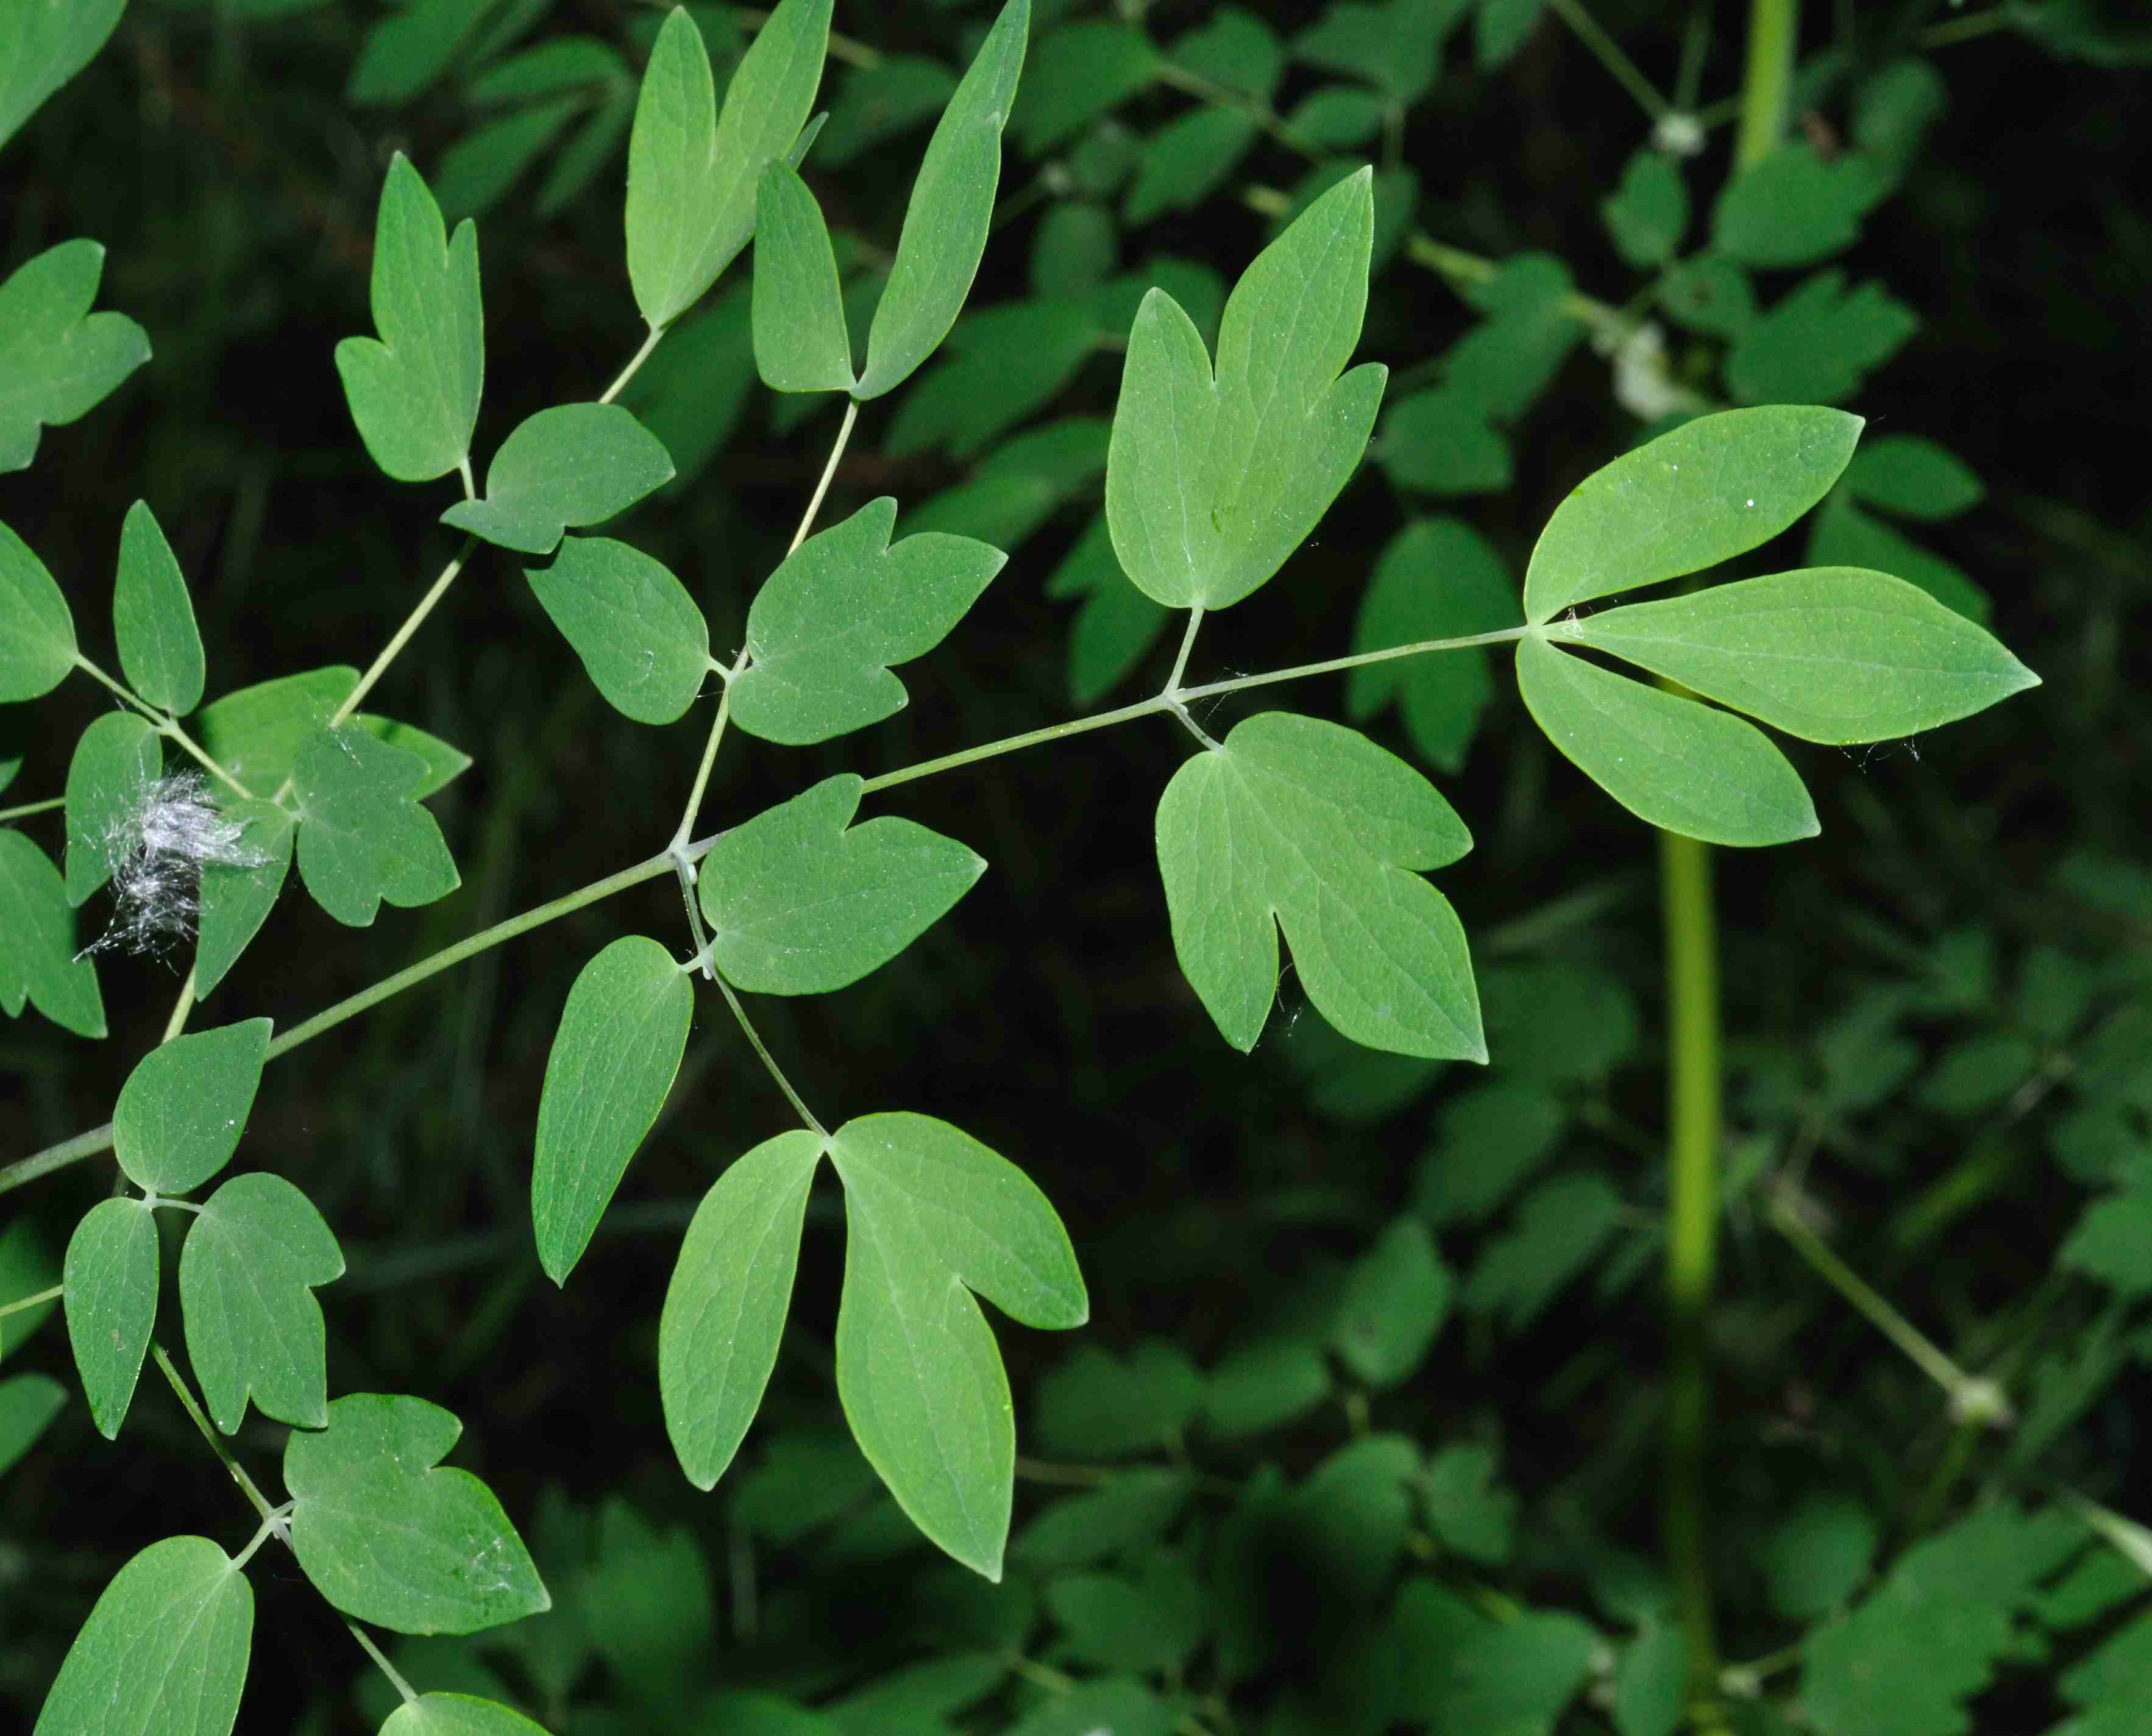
(234, 188)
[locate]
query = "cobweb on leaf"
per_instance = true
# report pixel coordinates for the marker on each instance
(156, 850)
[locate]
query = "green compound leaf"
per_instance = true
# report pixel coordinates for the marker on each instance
(1931, 1636)
(111, 1293)
(845, 604)
(160, 647)
(800, 342)
(28, 1403)
(692, 172)
(725, 1308)
(363, 836)
(457, 1714)
(637, 631)
(1680, 765)
(575, 464)
(38, 958)
(1713, 489)
(41, 47)
(236, 897)
(951, 208)
(1309, 825)
(37, 632)
(387, 1538)
(252, 1257)
(117, 759)
(614, 1058)
(1213, 481)
(801, 902)
(931, 1215)
(57, 360)
(414, 390)
(183, 1109)
(1830, 653)
(1437, 579)
(165, 1652)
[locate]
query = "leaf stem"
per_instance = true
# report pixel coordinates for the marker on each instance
(828, 475)
(769, 1060)
(412, 622)
(99, 1138)
(38, 1301)
(1610, 55)
(1767, 82)
(634, 365)
(163, 723)
(29, 808)
(181, 1009)
(409, 1693)
(261, 1505)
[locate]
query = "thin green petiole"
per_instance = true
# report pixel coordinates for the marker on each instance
(181, 1008)
(1610, 55)
(409, 1693)
(389, 652)
(261, 1505)
(828, 475)
(39, 1301)
(1331, 666)
(768, 1061)
(1175, 700)
(29, 808)
(683, 865)
(634, 365)
(163, 723)
(1014, 743)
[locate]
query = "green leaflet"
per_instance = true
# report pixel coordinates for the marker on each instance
(637, 631)
(41, 48)
(575, 464)
(1212, 481)
(160, 648)
(457, 1714)
(114, 764)
(236, 897)
(1437, 579)
(931, 1215)
(255, 733)
(1097, 1406)
(37, 632)
(801, 902)
(1465, 1507)
(1713, 489)
(363, 836)
(27, 1263)
(1395, 1299)
(38, 958)
(59, 361)
(1307, 824)
(1682, 766)
(1831, 654)
(407, 50)
(800, 342)
(414, 390)
(726, 1306)
(1795, 206)
(1145, 1623)
(692, 172)
(1905, 474)
(823, 629)
(389, 1538)
(184, 1107)
(1817, 343)
(1079, 73)
(165, 1652)
(951, 207)
(614, 1058)
(1647, 213)
(1184, 161)
(252, 1257)
(28, 1403)
(110, 1283)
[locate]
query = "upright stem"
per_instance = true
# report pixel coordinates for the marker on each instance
(435, 593)
(1693, 1084)
(1693, 1117)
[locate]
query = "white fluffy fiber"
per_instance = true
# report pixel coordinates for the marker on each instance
(156, 850)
